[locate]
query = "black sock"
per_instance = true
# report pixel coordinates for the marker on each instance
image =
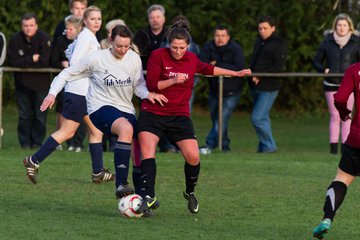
(191, 176)
(96, 154)
(148, 175)
(136, 177)
(334, 197)
(122, 152)
(45, 150)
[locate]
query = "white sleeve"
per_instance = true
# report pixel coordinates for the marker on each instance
(140, 86)
(81, 48)
(77, 71)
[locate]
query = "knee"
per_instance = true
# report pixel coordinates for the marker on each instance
(193, 159)
(256, 119)
(123, 129)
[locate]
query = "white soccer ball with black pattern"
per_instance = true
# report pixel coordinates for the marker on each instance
(129, 204)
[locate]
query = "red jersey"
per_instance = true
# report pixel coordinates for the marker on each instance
(162, 66)
(350, 84)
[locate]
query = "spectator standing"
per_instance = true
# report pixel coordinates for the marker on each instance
(147, 40)
(269, 56)
(58, 59)
(225, 53)
(30, 48)
(338, 51)
(106, 42)
(76, 8)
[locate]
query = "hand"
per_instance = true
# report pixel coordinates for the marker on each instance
(243, 72)
(36, 57)
(343, 111)
(65, 64)
(152, 97)
(213, 62)
(48, 102)
(256, 80)
(345, 115)
(345, 118)
(327, 70)
(180, 78)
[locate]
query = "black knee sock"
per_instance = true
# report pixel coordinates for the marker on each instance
(45, 150)
(148, 174)
(136, 177)
(96, 154)
(122, 152)
(334, 197)
(191, 176)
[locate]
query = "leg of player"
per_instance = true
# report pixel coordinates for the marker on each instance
(334, 197)
(122, 151)
(65, 132)
(148, 142)
(100, 174)
(136, 170)
(190, 150)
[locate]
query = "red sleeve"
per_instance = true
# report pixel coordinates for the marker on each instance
(204, 68)
(153, 71)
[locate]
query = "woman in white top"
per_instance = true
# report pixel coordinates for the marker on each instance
(75, 108)
(115, 75)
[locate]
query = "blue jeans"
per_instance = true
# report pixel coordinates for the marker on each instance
(32, 122)
(260, 118)
(229, 104)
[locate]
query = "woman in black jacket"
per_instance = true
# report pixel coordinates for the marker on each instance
(339, 50)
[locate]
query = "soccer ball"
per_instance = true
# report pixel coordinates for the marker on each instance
(129, 204)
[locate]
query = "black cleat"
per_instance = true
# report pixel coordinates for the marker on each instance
(148, 204)
(104, 176)
(193, 204)
(32, 169)
(123, 190)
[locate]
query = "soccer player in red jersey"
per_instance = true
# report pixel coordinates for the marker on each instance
(349, 166)
(170, 72)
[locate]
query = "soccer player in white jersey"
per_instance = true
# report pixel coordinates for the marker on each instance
(75, 108)
(115, 75)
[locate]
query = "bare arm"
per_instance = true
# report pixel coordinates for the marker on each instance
(222, 71)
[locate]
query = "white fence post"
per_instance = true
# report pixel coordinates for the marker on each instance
(1, 84)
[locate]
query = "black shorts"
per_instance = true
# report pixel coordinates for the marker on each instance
(75, 107)
(176, 128)
(59, 102)
(350, 160)
(104, 118)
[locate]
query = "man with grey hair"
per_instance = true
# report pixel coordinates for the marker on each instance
(147, 40)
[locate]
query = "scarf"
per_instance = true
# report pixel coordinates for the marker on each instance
(342, 40)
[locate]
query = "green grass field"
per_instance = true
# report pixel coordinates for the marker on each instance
(242, 194)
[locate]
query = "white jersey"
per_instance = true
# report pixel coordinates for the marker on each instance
(85, 44)
(112, 82)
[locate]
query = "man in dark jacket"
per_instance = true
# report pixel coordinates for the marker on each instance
(225, 53)
(30, 48)
(269, 55)
(147, 40)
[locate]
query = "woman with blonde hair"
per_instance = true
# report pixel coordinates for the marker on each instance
(338, 51)
(75, 108)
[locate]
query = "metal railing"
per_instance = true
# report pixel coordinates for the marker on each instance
(221, 84)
